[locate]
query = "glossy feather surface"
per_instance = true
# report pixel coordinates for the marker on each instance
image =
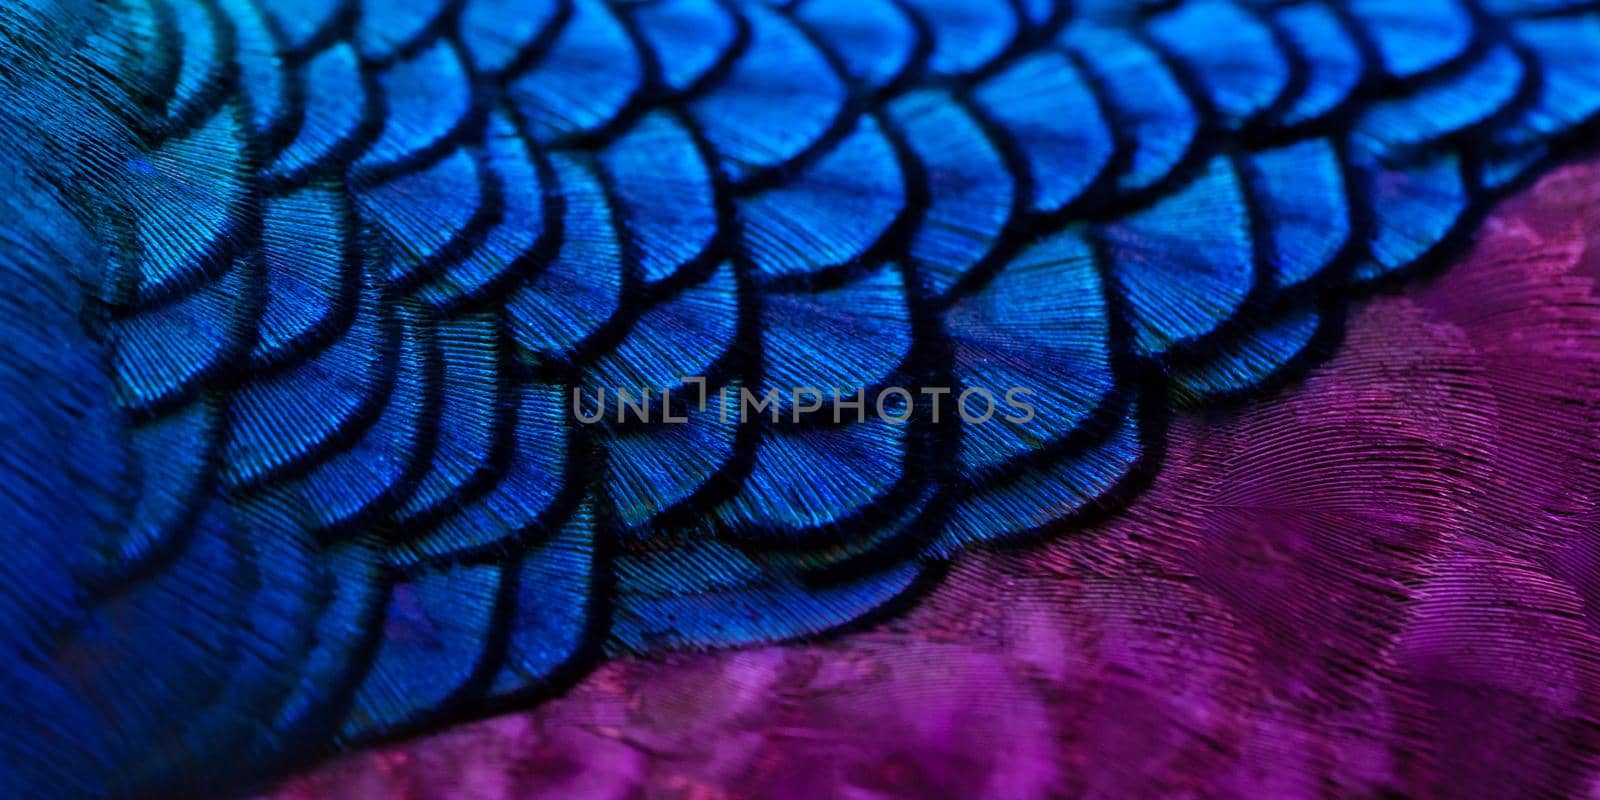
(345, 267)
(1379, 583)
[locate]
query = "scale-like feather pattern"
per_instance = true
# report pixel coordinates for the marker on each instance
(1378, 583)
(1041, 326)
(661, 183)
(1234, 57)
(1330, 58)
(830, 213)
(970, 198)
(367, 281)
(1046, 109)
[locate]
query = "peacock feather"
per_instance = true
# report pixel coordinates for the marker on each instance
(309, 305)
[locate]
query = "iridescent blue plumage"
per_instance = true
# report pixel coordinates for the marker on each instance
(1184, 265)
(828, 214)
(310, 272)
(969, 201)
(663, 186)
(301, 293)
(1044, 108)
(1042, 325)
(436, 631)
(1299, 195)
(551, 608)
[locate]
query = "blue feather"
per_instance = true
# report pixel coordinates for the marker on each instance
(432, 645)
(352, 601)
(192, 190)
(517, 193)
(173, 455)
(467, 362)
(874, 40)
(162, 353)
(497, 34)
(302, 22)
(363, 481)
(1053, 118)
(1566, 94)
(426, 99)
(732, 598)
(1421, 206)
(682, 339)
(286, 581)
(587, 77)
(804, 483)
(840, 340)
(1442, 108)
(1039, 498)
(1249, 360)
(1412, 39)
(830, 212)
(383, 31)
(1041, 325)
(310, 273)
(1146, 104)
(1334, 68)
(1234, 57)
(334, 117)
(426, 214)
(1298, 193)
(967, 34)
(532, 478)
(748, 133)
(657, 469)
(204, 59)
(549, 610)
(256, 51)
(134, 642)
(579, 290)
(970, 195)
(687, 38)
(268, 431)
(1501, 168)
(662, 185)
(1184, 266)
